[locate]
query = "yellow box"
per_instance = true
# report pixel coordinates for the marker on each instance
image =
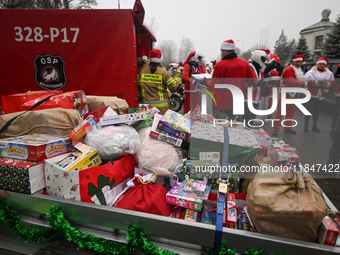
(84, 158)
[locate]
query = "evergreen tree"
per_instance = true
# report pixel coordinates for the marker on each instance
(302, 48)
(331, 47)
(281, 48)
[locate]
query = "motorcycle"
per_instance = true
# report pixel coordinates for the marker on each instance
(177, 98)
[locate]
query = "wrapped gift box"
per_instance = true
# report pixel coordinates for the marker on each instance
(262, 137)
(22, 176)
(206, 137)
(199, 169)
(34, 147)
(13, 103)
(328, 232)
(67, 100)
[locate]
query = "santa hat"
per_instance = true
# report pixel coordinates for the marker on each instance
(228, 45)
(322, 61)
(155, 56)
(299, 58)
(267, 51)
(142, 55)
(277, 59)
(192, 57)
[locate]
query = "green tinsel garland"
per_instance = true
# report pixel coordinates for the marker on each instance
(136, 237)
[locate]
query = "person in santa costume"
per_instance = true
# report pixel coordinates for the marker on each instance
(336, 112)
(292, 76)
(273, 73)
(193, 65)
(321, 78)
(258, 59)
(230, 70)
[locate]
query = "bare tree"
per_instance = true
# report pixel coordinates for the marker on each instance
(247, 54)
(169, 50)
(152, 23)
(185, 48)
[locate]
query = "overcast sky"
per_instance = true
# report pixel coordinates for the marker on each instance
(209, 23)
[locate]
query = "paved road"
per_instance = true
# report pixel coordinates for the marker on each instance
(313, 148)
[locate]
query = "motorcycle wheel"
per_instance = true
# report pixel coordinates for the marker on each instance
(176, 103)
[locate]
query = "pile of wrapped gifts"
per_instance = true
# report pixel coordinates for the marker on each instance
(98, 150)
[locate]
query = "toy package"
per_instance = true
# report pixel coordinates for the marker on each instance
(34, 147)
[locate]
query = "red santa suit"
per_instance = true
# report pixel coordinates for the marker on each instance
(291, 77)
(188, 70)
(272, 73)
(235, 71)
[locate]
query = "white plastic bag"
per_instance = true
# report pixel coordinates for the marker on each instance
(113, 142)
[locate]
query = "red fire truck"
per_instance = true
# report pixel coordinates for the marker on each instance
(90, 50)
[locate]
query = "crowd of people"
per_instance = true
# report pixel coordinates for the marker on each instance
(257, 73)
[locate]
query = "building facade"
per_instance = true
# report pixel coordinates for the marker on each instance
(315, 34)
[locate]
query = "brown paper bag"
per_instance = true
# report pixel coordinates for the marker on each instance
(117, 104)
(56, 121)
(247, 178)
(286, 204)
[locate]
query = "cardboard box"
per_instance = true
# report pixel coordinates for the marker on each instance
(122, 118)
(209, 213)
(231, 212)
(34, 147)
(165, 126)
(163, 136)
(85, 157)
(81, 130)
(191, 215)
(262, 137)
(103, 112)
(336, 219)
(173, 197)
(178, 213)
(22, 176)
(328, 232)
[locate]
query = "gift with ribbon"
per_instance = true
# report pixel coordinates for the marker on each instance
(13, 103)
(285, 156)
(67, 100)
(143, 196)
(262, 137)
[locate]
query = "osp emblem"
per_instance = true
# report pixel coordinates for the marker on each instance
(50, 72)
